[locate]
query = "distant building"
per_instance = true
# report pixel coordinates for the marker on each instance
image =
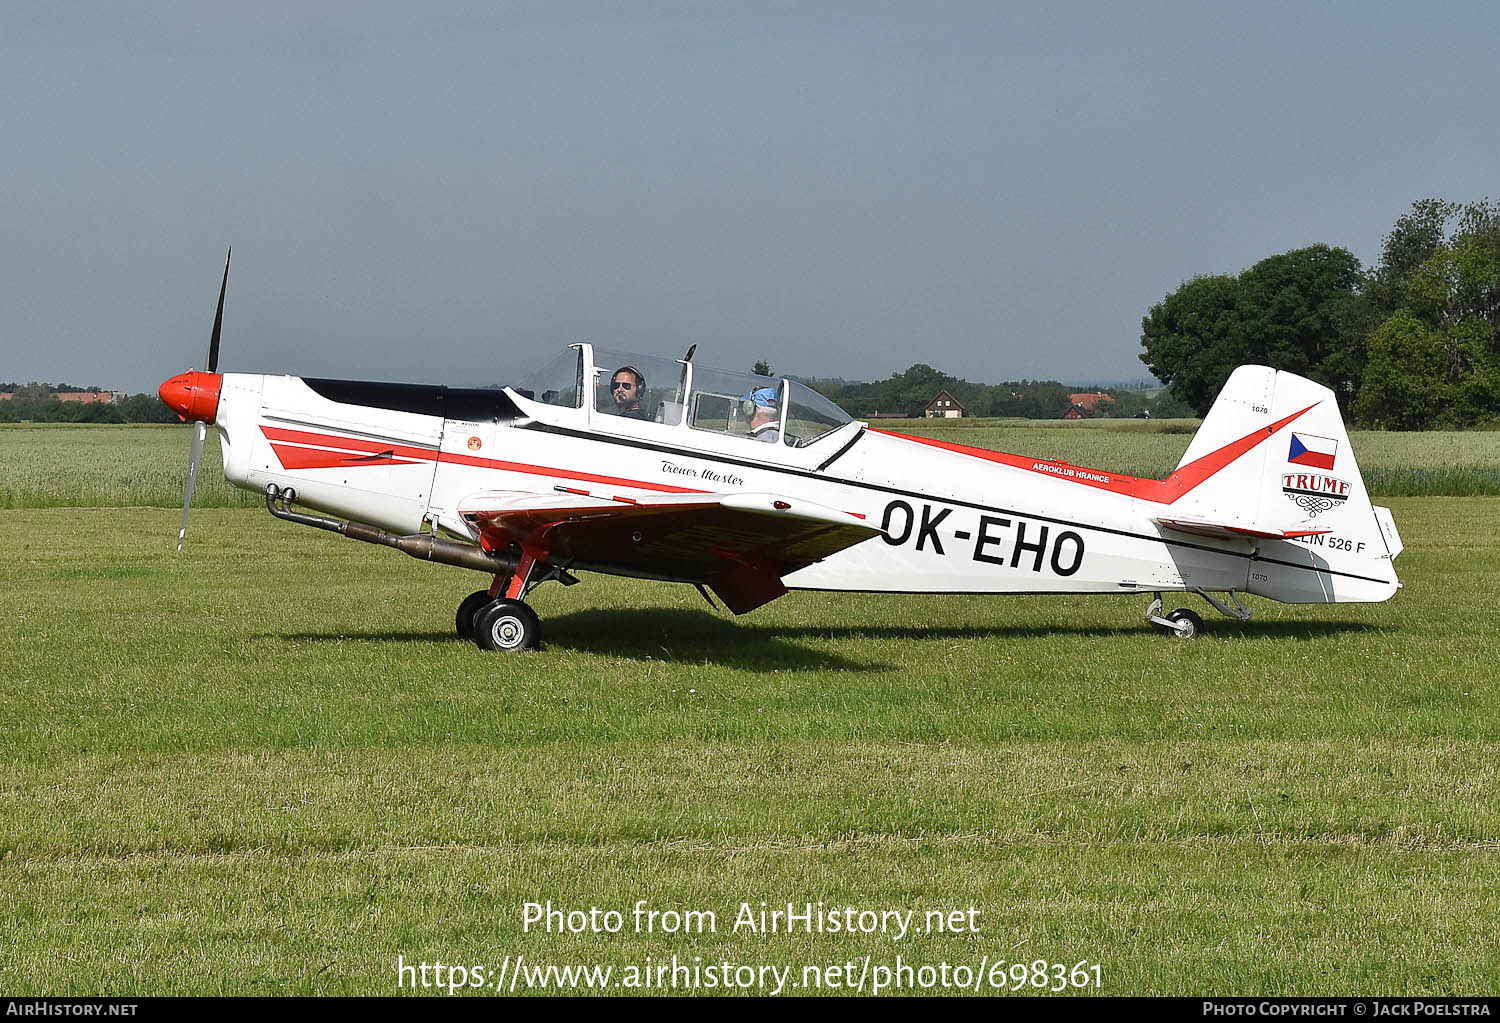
(944, 406)
(1086, 406)
(1090, 401)
(7, 395)
(91, 397)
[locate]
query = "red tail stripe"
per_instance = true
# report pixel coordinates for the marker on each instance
(1164, 491)
(1189, 476)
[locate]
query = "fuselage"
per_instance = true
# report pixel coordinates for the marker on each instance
(952, 519)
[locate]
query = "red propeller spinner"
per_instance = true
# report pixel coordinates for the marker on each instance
(193, 395)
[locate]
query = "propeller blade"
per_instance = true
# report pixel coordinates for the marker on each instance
(213, 341)
(199, 430)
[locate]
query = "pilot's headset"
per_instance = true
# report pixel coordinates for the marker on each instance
(763, 396)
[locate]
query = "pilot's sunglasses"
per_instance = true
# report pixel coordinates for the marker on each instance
(619, 384)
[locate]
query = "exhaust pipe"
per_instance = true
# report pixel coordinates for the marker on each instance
(420, 545)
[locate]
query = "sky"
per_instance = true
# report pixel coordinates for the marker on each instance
(452, 192)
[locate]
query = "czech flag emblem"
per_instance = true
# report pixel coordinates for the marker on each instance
(1317, 452)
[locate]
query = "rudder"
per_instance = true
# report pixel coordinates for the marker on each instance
(1296, 487)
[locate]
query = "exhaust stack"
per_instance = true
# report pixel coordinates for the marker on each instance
(420, 545)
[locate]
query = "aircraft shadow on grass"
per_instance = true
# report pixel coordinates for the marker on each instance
(695, 636)
(1289, 630)
(650, 634)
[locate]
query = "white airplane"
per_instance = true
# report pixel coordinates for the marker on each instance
(751, 486)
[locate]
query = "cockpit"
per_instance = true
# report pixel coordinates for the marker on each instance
(611, 388)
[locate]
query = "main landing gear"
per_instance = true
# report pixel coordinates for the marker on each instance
(497, 623)
(506, 625)
(497, 618)
(1185, 624)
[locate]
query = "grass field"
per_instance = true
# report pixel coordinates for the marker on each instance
(265, 766)
(50, 466)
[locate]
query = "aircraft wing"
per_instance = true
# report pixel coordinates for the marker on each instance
(739, 545)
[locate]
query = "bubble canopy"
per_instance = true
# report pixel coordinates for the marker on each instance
(680, 393)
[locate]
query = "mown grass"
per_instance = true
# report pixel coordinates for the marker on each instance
(145, 466)
(265, 766)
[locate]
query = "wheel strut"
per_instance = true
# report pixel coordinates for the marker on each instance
(1181, 623)
(498, 618)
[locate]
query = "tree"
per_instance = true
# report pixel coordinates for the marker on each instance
(1029, 399)
(1412, 241)
(1459, 280)
(1434, 361)
(761, 368)
(1300, 311)
(146, 408)
(918, 385)
(96, 412)
(1193, 339)
(1420, 376)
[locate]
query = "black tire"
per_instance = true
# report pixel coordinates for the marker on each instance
(469, 610)
(507, 625)
(1195, 623)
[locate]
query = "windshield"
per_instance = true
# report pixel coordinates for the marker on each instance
(809, 415)
(558, 382)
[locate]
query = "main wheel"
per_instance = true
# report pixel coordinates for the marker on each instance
(1194, 624)
(469, 610)
(507, 625)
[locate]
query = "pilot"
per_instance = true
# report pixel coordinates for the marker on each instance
(627, 387)
(764, 409)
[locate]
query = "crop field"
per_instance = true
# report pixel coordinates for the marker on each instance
(50, 466)
(266, 765)
(1454, 464)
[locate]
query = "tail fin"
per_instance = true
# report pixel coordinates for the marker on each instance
(1292, 483)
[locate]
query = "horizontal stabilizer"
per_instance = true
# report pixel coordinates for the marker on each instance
(1234, 530)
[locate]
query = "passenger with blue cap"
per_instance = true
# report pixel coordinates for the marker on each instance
(763, 406)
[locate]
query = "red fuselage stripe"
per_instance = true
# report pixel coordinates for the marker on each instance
(295, 457)
(276, 433)
(1166, 491)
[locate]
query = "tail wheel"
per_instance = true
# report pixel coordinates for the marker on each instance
(507, 625)
(469, 610)
(1189, 625)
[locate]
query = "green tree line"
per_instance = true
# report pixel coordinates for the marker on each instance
(909, 391)
(1412, 343)
(38, 403)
